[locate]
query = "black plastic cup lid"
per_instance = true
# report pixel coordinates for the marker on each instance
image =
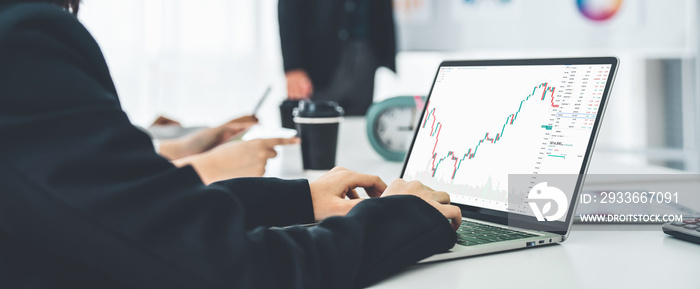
(309, 108)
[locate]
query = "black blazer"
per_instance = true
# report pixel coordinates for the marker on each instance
(85, 202)
(309, 36)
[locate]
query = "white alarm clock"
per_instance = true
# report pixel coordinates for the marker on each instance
(391, 125)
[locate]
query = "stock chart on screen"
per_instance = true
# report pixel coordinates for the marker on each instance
(483, 123)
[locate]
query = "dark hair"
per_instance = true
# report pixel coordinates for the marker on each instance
(70, 5)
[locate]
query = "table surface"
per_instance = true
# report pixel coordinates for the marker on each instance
(594, 256)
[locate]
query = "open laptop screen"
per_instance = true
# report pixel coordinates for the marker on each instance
(485, 120)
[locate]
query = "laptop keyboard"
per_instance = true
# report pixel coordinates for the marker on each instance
(473, 233)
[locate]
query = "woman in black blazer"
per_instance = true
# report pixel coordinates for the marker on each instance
(85, 202)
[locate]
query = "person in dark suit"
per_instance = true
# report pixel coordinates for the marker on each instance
(85, 201)
(332, 48)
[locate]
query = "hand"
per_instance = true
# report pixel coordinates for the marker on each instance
(231, 129)
(329, 192)
(439, 200)
(299, 84)
(244, 119)
(161, 120)
(206, 139)
(235, 160)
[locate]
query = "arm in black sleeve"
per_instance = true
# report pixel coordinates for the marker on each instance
(79, 182)
(291, 15)
(271, 201)
(394, 232)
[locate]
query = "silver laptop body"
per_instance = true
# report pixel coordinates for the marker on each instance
(487, 121)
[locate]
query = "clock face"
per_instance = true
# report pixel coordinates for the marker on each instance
(394, 128)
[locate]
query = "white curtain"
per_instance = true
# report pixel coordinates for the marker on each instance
(202, 62)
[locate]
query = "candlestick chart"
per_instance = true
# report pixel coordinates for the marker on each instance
(481, 124)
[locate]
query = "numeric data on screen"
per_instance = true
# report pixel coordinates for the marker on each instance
(483, 123)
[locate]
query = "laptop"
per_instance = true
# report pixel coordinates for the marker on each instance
(510, 141)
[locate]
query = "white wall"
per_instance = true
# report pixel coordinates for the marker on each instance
(206, 61)
(201, 62)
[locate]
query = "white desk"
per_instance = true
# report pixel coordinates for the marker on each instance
(588, 259)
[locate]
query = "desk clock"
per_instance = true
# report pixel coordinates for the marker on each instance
(391, 124)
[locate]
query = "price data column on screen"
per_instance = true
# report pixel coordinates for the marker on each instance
(483, 123)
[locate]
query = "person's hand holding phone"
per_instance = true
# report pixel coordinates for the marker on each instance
(205, 139)
(235, 159)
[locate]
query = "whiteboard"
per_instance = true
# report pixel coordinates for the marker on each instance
(645, 26)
